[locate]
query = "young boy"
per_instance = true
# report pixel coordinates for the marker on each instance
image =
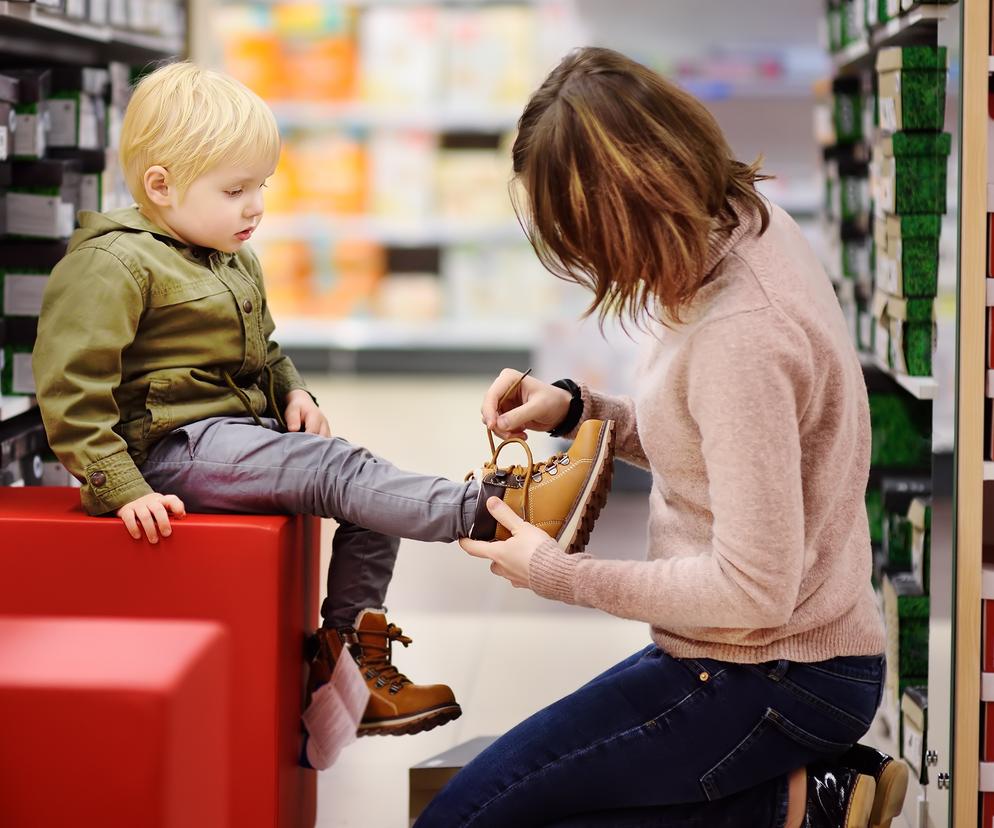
(161, 387)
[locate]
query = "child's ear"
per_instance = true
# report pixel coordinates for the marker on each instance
(157, 187)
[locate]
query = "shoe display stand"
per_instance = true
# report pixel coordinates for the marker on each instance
(923, 346)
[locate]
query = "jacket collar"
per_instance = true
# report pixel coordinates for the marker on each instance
(132, 218)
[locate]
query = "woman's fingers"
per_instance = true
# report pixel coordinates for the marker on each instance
(491, 399)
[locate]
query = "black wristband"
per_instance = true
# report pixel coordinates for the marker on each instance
(575, 411)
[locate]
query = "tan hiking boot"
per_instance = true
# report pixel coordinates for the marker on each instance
(562, 496)
(396, 705)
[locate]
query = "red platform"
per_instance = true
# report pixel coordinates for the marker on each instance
(113, 723)
(257, 575)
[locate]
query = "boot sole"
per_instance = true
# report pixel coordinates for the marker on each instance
(418, 723)
(575, 535)
(861, 803)
(892, 787)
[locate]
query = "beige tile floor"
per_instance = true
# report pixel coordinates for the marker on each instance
(505, 652)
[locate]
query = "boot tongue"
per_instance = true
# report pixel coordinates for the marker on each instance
(371, 621)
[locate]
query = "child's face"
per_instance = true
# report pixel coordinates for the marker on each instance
(221, 208)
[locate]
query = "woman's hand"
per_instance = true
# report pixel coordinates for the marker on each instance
(533, 405)
(511, 558)
(302, 413)
(151, 513)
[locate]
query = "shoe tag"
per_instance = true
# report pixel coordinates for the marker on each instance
(333, 716)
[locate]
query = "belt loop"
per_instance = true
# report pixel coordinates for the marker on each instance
(779, 669)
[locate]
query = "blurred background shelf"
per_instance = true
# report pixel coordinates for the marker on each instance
(28, 29)
(13, 406)
(910, 26)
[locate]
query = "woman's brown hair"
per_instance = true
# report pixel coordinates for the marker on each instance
(625, 179)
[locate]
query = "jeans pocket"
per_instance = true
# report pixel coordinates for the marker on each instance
(772, 747)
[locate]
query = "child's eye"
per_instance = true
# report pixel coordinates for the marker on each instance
(233, 193)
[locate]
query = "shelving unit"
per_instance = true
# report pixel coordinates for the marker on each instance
(949, 796)
(33, 34)
(857, 56)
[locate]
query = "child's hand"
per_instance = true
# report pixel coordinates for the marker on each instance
(302, 414)
(151, 510)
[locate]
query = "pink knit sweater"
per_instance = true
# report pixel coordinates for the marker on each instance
(753, 418)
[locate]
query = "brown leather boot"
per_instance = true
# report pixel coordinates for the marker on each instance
(396, 706)
(562, 496)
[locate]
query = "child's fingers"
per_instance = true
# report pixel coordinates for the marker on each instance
(128, 516)
(325, 430)
(161, 517)
(292, 417)
(145, 519)
(174, 505)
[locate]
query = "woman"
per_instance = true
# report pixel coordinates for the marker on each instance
(751, 412)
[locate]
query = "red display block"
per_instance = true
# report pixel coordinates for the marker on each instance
(255, 575)
(113, 723)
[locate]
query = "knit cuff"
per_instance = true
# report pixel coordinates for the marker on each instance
(591, 409)
(552, 572)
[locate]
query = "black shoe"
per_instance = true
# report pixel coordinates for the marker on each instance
(891, 776)
(838, 797)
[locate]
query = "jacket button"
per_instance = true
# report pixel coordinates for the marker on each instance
(247, 306)
(97, 479)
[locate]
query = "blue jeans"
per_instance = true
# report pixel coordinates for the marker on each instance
(662, 741)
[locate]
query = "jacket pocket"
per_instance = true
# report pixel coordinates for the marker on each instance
(157, 417)
(176, 293)
(773, 744)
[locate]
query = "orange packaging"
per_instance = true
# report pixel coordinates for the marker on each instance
(288, 269)
(358, 268)
(256, 59)
(323, 69)
(331, 172)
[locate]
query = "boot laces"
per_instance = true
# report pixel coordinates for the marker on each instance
(536, 470)
(376, 659)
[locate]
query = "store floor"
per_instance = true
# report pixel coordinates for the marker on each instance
(505, 652)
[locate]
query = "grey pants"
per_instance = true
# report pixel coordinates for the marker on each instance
(230, 464)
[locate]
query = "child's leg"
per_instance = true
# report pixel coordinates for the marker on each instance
(232, 465)
(361, 567)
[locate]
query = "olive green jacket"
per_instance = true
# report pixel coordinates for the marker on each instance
(138, 332)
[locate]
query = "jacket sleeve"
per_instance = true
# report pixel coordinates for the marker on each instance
(90, 313)
(285, 374)
(748, 384)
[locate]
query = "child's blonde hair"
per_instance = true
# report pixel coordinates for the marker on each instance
(189, 119)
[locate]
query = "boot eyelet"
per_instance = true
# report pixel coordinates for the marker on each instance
(369, 674)
(554, 470)
(536, 478)
(380, 683)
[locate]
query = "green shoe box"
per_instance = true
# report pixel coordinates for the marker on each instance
(911, 172)
(911, 84)
(912, 335)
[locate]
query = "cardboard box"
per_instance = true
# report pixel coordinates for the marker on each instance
(427, 778)
(912, 173)
(17, 377)
(911, 87)
(920, 518)
(21, 293)
(914, 727)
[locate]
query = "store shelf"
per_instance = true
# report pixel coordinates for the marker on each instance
(390, 232)
(12, 406)
(429, 117)
(30, 30)
(892, 33)
(922, 388)
(372, 334)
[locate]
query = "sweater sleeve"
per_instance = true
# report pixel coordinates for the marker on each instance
(749, 378)
(597, 406)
